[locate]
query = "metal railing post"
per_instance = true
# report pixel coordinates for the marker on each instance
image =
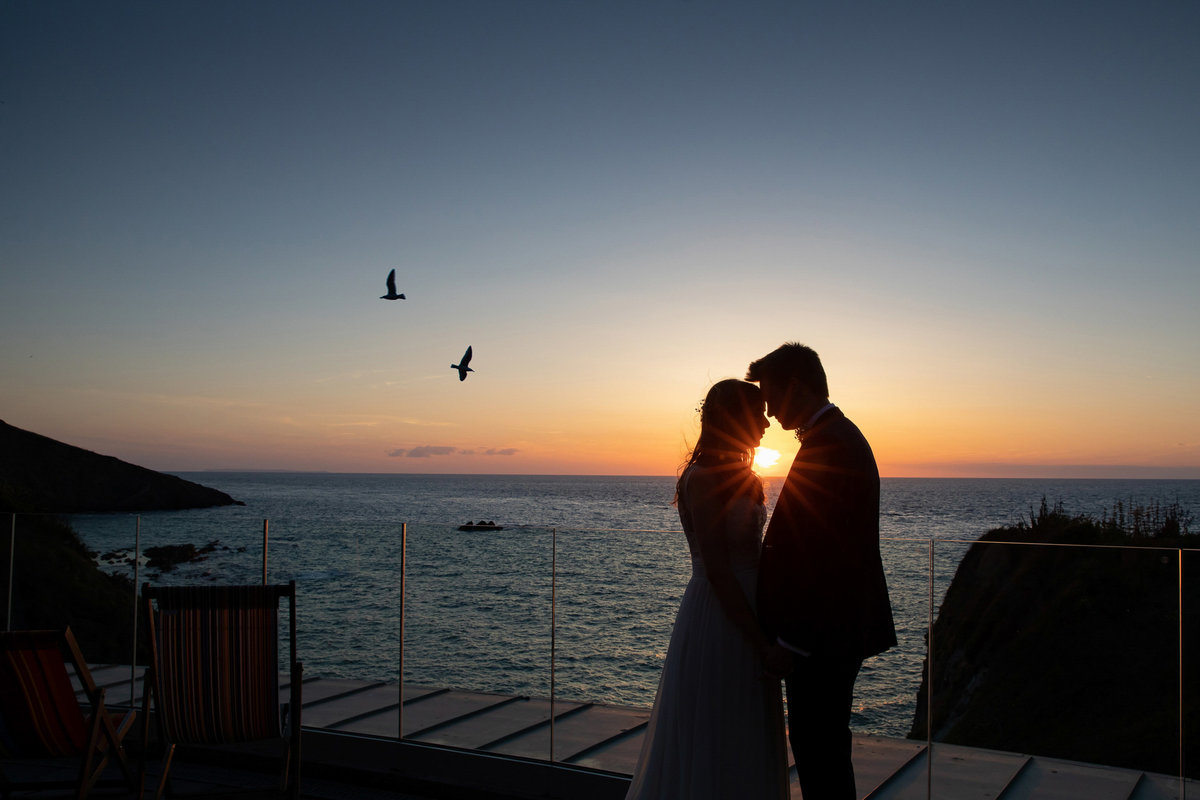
(553, 626)
(929, 684)
(1182, 760)
(264, 574)
(137, 556)
(12, 559)
(400, 704)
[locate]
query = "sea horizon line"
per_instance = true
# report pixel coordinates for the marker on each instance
(982, 471)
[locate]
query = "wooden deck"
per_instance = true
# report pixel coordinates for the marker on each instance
(608, 738)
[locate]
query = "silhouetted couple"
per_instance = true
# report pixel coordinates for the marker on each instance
(806, 603)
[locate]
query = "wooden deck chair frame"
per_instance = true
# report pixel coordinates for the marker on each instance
(214, 673)
(42, 717)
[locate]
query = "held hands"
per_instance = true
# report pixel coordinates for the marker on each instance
(778, 661)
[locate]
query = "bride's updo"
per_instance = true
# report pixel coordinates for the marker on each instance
(728, 434)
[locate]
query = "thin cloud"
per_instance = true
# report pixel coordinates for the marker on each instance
(429, 451)
(425, 451)
(491, 451)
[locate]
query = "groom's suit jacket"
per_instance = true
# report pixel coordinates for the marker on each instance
(821, 586)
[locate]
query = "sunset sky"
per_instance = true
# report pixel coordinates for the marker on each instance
(983, 216)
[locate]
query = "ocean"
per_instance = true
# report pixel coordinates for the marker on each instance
(578, 592)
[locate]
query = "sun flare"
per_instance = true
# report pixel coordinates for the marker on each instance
(765, 457)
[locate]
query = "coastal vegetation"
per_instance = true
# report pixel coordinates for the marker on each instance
(1067, 636)
(55, 583)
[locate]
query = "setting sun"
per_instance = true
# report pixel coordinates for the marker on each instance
(765, 457)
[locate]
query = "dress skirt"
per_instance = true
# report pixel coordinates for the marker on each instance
(717, 727)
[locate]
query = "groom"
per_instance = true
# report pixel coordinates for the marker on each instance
(821, 590)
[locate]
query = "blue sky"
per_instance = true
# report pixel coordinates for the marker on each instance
(981, 215)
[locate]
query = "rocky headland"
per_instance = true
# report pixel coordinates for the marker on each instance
(40, 474)
(1073, 652)
(56, 581)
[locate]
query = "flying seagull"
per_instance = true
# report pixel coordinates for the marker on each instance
(391, 283)
(462, 367)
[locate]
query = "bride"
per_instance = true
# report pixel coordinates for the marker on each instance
(717, 726)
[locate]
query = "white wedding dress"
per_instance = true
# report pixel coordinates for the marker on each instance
(717, 726)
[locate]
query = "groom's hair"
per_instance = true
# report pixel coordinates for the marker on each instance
(791, 360)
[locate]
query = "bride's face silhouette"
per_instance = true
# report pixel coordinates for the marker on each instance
(755, 423)
(737, 413)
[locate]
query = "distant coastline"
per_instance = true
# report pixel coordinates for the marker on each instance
(973, 471)
(1055, 471)
(1115, 473)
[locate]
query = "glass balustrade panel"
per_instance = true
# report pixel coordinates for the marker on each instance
(477, 622)
(1065, 652)
(618, 592)
(1061, 652)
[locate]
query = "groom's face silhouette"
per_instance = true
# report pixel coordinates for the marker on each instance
(790, 402)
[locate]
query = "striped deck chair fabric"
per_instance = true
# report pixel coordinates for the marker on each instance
(218, 676)
(40, 714)
(42, 717)
(214, 672)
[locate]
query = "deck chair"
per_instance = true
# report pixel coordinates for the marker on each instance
(214, 673)
(41, 717)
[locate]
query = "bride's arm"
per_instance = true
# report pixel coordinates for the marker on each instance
(710, 519)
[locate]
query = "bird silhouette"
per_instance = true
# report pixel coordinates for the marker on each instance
(462, 367)
(391, 284)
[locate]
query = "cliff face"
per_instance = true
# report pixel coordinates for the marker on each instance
(40, 474)
(1070, 652)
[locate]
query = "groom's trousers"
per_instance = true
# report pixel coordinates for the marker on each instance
(819, 694)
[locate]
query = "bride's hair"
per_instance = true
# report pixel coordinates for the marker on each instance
(728, 436)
